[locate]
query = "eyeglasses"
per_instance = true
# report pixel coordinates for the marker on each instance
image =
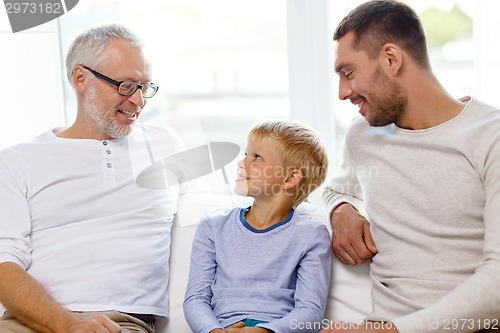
(127, 88)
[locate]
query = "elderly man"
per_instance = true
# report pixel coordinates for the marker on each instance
(83, 248)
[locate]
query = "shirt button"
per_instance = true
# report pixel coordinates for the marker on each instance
(105, 143)
(109, 165)
(108, 151)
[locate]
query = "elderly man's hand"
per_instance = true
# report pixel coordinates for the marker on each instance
(98, 324)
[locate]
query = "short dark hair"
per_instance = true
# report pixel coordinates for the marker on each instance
(378, 22)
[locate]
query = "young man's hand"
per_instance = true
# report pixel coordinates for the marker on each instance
(352, 240)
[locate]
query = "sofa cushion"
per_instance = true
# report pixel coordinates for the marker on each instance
(349, 297)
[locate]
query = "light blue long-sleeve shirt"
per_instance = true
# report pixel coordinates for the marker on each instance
(279, 275)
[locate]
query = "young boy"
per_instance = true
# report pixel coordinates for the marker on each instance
(264, 268)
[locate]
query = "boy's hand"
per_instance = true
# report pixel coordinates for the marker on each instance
(240, 328)
(233, 329)
(239, 324)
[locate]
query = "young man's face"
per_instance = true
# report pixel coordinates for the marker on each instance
(363, 81)
(111, 114)
(260, 173)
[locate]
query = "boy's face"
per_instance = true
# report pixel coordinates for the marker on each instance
(260, 173)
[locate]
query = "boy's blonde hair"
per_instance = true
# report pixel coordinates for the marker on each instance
(300, 148)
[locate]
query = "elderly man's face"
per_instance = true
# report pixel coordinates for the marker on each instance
(111, 114)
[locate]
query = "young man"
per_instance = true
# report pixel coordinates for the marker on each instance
(426, 168)
(82, 247)
(265, 265)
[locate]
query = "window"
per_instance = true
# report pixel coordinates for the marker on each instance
(223, 64)
(31, 99)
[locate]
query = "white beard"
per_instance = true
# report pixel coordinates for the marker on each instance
(105, 120)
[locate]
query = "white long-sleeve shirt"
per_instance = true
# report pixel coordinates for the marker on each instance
(432, 197)
(72, 215)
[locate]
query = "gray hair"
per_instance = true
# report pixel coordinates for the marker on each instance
(89, 47)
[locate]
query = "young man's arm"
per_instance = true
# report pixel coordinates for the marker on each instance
(28, 301)
(474, 304)
(352, 242)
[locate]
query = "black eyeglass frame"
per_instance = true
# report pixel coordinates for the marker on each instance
(117, 84)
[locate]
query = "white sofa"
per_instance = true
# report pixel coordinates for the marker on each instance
(349, 296)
